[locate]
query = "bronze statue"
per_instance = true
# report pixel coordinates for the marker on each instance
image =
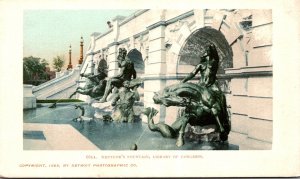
(53, 105)
(124, 101)
(107, 118)
(81, 115)
(204, 102)
(94, 86)
(127, 73)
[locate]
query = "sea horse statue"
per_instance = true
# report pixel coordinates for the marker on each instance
(94, 87)
(204, 103)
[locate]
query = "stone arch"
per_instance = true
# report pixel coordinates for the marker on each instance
(194, 47)
(234, 28)
(102, 66)
(136, 57)
(229, 23)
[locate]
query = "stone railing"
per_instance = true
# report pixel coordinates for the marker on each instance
(57, 85)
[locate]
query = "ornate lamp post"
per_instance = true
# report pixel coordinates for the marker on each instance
(81, 51)
(70, 62)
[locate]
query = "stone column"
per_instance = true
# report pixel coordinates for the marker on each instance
(70, 59)
(112, 61)
(155, 68)
(81, 51)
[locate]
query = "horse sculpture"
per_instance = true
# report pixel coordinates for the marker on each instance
(204, 103)
(94, 86)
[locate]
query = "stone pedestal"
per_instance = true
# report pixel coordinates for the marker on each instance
(29, 100)
(207, 133)
(207, 138)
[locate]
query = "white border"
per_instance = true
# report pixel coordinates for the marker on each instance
(282, 160)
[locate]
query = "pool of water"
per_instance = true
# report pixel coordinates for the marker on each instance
(114, 135)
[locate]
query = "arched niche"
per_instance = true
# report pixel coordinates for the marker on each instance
(102, 66)
(136, 57)
(194, 47)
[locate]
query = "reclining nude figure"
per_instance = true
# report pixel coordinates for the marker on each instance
(127, 73)
(204, 103)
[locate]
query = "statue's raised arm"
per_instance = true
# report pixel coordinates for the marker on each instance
(193, 73)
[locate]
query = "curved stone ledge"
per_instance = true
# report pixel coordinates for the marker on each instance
(51, 82)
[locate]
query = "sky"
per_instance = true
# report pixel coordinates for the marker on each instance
(49, 33)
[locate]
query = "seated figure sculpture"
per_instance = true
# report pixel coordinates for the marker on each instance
(204, 103)
(94, 86)
(127, 73)
(124, 101)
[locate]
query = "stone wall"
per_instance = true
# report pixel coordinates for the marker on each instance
(251, 85)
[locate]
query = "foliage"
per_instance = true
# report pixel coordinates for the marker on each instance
(58, 63)
(34, 70)
(58, 100)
